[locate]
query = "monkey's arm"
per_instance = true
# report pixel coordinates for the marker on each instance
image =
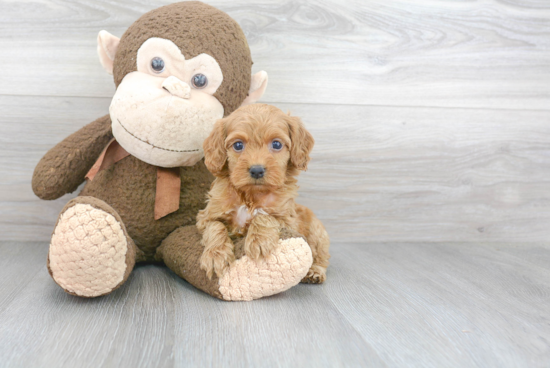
(63, 168)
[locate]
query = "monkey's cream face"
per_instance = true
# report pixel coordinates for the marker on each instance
(163, 112)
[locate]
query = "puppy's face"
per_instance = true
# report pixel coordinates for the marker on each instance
(257, 152)
(256, 145)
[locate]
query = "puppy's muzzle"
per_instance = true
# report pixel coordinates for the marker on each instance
(257, 171)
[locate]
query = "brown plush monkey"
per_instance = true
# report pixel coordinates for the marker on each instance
(177, 69)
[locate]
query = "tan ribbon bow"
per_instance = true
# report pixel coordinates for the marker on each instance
(167, 196)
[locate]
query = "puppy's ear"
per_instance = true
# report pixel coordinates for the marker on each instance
(301, 143)
(215, 154)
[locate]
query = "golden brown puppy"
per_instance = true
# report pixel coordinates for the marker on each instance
(256, 154)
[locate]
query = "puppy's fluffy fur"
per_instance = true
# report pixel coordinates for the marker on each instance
(240, 203)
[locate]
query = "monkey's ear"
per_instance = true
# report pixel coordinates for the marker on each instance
(301, 143)
(215, 154)
(106, 48)
(258, 84)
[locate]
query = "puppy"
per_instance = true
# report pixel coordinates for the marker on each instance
(255, 155)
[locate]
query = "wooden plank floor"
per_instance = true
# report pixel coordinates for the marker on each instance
(384, 305)
(431, 172)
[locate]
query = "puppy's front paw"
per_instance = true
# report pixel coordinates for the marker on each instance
(315, 275)
(260, 244)
(217, 260)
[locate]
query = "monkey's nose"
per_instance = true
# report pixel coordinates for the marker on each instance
(257, 171)
(177, 87)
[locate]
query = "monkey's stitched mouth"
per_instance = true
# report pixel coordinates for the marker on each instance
(152, 145)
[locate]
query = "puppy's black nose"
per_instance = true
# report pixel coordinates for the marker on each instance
(257, 171)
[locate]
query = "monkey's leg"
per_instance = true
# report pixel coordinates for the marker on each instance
(246, 279)
(90, 253)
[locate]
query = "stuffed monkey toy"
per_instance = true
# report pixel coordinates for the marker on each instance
(177, 70)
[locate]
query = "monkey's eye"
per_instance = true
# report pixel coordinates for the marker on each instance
(199, 81)
(276, 145)
(238, 146)
(157, 64)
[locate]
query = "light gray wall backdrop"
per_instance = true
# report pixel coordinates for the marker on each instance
(431, 118)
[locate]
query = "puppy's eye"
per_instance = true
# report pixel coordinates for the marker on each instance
(276, 145)
(199, 81)
(157, 64)
(238, 146)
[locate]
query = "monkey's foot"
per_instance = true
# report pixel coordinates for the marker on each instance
(284, 268)
(90, 252)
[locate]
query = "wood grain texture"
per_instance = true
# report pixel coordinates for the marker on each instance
(463, 298)
(377, 173)
(384, 305)
(431, 172)
(428, 53)
(476, 172)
